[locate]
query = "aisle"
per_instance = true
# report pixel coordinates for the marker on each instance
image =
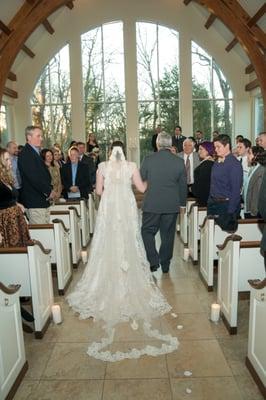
(60, 369)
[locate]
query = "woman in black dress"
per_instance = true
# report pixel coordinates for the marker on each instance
(202, 174)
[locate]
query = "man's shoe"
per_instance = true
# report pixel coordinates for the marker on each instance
(165, 267)
(26, 328)
(26, 315)
(154, 268)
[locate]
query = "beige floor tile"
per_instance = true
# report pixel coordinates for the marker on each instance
(68, 390)
(141, 389)
(25, 389)
(202, 357)
(143, 367)
(176, 285)
(195, 326)
(70, 361)
(248, 388)
(38, 354)
(184, 303)
(206, 389)
(235, 351)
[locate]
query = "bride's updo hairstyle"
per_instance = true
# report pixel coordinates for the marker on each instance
(118, 143)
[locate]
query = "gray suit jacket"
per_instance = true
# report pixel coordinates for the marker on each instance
(196, 159)
(262, 209)
(253, 190)
(167, 183)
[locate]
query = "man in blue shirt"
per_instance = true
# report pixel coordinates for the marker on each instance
(226, 185)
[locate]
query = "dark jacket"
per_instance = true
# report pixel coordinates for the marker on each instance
(35, 179)
(167, 183)
(83, 179)
(91, 166)
(178, 142)
(202, 182)
(262, 209)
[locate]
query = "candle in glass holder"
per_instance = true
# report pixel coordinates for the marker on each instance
(215, 312)
(84, 256)
(56, 312)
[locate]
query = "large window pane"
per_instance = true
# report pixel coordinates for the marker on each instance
(202, 116)
(223, 116)
(201, 72)
(158, 81)
(259, 115)
(51, 101)
(104, 83)
(4, 135)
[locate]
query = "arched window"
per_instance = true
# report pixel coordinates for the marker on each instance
(51, 101)
(158, 81)
(104, 83)
(4, 134)
(212, 95)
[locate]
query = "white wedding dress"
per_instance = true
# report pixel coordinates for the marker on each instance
(117, 286)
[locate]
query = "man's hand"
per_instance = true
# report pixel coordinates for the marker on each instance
(74, 189)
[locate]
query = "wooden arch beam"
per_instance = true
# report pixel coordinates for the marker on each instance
(27, 21)
(235, 18)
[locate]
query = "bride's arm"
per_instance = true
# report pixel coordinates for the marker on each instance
(138, 182)
(99, 183)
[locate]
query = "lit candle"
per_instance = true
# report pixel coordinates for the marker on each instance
(56, 312)
(84, 256)
(215, 312)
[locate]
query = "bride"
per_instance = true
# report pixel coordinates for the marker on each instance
(117, 287)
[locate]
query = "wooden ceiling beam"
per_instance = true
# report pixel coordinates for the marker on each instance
(5, 28)
(252, 85)
(22, 25)
(48, 26)
(28, 51)
(8, 32)
(259, 34)
(249, 69)
(186, 2)
(12, 76)
(10, 93)
(210, 21)
(70, 5)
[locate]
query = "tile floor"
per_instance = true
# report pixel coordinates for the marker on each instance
(60, 369)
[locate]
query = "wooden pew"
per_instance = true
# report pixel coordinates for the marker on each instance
(92, 212)
(55, 236)
(183, 221)
(13, 364)
(238, 261)
(212, 235)
(83, 211)
(30, 267)
(196, 216)
(71, 220)
(256, 358)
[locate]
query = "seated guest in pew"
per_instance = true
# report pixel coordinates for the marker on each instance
(251, 187)
(48, 158)
(13, 227)
(75, 176)
(262, 212)
(202, 174)
(226, 184)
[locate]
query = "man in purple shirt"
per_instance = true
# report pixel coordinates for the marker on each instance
(226, 184)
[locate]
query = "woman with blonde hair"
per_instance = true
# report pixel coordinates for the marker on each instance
(13, 227)
(48, 158)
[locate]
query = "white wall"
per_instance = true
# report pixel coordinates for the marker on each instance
(69, 25)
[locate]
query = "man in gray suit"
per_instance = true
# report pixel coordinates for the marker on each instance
(191, 161)
(262, 211)
(167, 191)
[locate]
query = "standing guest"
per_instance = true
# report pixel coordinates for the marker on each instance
(36, 191)
(20, 148)
(88, 161)
(167, 191)
(93, 147)
(13, 227)
(202, 174)
(262, 211)
(242, 148)
(48, 158)
(226, 184)
(199, 138)
(178, 139)
(75, 177)
(191, 161)
(12, 149)
(58, 157)
(154, 137)
(262, 140)
(215, 134)
(251, 187)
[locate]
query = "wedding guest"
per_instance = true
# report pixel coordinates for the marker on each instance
(12, 149)
(262, 211)
(36, 191)
(226, 185)
(48, 158)
(242, 149)
(88, 161)
(58, 157)
(93, 148)
(215, 134)
(199, 138)
(13, 227)
(262, 140)
(178, 139)
(251, 188)
(191, 161)
(75, 177)
(202, 173)
(154, 137)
